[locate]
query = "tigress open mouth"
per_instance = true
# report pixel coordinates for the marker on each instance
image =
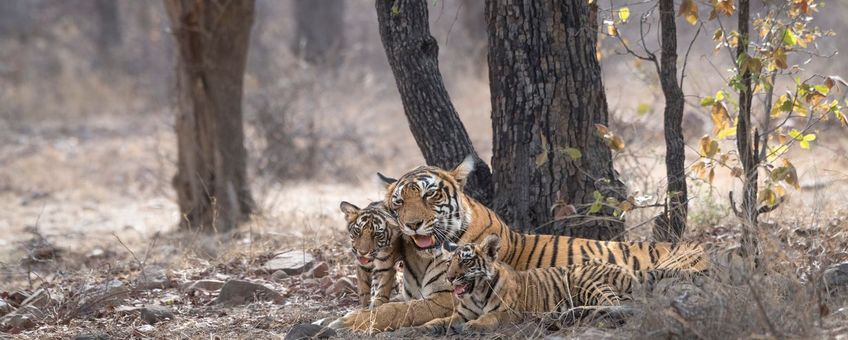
(363, 260)
(459, 290)
(424, 241)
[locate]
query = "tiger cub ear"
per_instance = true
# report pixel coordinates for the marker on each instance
(386, 180)
(349, 210)
(491, 245)
(461, 172)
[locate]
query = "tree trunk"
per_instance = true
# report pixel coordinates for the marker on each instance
(211, 179)
(319, 31)
(747, 151)
(670, 226)
(413, 57)
(547, 96)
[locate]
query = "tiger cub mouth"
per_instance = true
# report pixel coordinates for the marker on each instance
(363, 260)
(460, 290)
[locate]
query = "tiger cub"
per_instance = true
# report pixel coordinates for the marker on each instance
(376, 249)
(489, 292)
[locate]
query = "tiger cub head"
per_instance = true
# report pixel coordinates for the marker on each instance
(428, 203)
(372, 230)
(471, 264)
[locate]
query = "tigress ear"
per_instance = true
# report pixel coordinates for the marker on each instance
(385, 180)
(349, 210)
(491, 245)
(461, 172)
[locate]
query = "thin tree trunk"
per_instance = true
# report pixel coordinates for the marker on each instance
(413, 56)
(670, 226)
(747, 151)
(547, 96)
(211, 179)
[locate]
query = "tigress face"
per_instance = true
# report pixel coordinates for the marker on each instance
(428, 204)
(371, 230)
(471, 264)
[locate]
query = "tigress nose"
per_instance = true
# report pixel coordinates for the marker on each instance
(414, 225)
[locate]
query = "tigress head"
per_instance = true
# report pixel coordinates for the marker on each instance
(471, 263)
(428, 203)
(372, 230)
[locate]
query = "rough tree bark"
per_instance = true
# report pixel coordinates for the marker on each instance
(413, 56)
(747, 151)
(319, 30)
(211, 179)
(670, 226)
(547, 96)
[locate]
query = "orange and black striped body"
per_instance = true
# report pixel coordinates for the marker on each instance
(432, 209)
(491, 293)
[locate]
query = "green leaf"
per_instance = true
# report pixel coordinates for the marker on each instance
(623, 14)
(789, 37)
(707, 101)
(573, 153)
(719, 96)
(395, 9)
(643, 108)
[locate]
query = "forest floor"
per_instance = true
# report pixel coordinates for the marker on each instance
(88, 229)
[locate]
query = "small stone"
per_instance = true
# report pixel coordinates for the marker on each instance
(309, 331)
(5, 308)
(836, 275)
(237, 292)
(321, 269)
(21, 319)
(292, 262)
(96, 253)
(153, 277)
(279, 275)
(344, 285)
(155, 313)
(145, 329)
(204, 285)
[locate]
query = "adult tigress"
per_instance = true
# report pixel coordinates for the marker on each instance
(431, 209)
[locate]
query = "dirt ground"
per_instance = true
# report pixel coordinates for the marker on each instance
(88, 207)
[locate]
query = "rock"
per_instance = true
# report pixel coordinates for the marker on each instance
(153, 277)
(309, 331)
(145, 329)
(21, 319)
(204, 285)
(92, 337)
(279, 276)
(237, 292)
(5, 308)
(292, 262)
(344, 285)
(152, 314)
(320, 270)
(836, 275)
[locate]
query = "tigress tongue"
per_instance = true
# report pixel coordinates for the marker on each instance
(459, 290)
(363, 260)
(424, 241)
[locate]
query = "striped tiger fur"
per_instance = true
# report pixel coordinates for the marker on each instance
(375, 246)
(420, 281)
(491, 293)
(431, 209)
